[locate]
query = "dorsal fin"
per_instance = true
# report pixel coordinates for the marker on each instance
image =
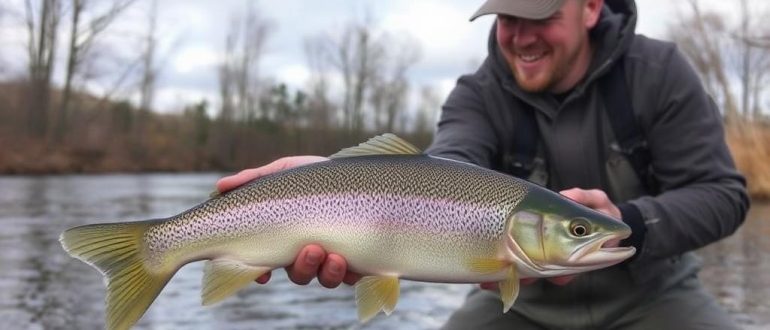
(385, 144)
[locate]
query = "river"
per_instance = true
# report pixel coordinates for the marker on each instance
(43, 288)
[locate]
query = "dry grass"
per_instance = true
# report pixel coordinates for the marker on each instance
(750, 146)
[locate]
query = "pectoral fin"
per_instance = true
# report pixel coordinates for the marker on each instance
(375, 294)
(509, 288)
(222, 278)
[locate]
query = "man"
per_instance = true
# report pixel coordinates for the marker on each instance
(554, 60)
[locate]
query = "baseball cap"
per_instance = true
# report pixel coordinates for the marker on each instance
(529, 9)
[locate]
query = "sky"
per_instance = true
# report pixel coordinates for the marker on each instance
(192, 34)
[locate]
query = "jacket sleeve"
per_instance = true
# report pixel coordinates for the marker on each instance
(703, 196)
(464, 131)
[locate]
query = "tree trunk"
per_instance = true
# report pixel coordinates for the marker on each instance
(41, 48)
(72, 62)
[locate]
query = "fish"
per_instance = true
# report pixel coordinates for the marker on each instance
(393, 212)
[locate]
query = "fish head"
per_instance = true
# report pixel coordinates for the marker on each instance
(556, 236)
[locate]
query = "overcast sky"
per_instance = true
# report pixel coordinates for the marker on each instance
(192, 36)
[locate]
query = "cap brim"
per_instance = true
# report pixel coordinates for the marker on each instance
(529, 9)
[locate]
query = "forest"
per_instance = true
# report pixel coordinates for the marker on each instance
(53, 122)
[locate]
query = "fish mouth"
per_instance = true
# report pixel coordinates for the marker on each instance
(595, 254)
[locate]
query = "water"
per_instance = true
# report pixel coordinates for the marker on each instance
(43, 288)
(737, 270)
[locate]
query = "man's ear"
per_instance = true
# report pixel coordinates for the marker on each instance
(592, 9)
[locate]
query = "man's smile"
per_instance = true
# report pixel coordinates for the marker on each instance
(531, 57)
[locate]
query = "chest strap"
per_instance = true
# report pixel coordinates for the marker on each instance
(630, 141)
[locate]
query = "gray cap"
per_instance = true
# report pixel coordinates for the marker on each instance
(529, 9)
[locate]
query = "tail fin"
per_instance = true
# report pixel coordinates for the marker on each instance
(117, 251)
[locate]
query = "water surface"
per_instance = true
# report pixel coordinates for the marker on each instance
(43, 288)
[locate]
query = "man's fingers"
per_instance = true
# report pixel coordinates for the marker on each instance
(561, 280)
(306, 266)
(493, 286)
(528, 281)
(236, 180)
(264, 278)
(231, 182)
(351, 278)
(332, 271)
(595, 199)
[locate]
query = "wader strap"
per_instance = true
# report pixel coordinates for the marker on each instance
(628, 134)
(519, 160)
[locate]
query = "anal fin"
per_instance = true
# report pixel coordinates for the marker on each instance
(509, 288)
(222, 278)
(375, 294)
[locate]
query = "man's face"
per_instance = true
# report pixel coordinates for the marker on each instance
(552, 54)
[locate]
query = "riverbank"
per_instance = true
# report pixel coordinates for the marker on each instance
(748, 142)
(750, 145)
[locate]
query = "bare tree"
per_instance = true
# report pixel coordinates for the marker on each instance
(42, 21)
(390, 90)
(320, 106)
(701, 39)
(753, 61)
(373, 67)
(81, 40)
(149, 69)
(760, 81)
(357, 54)
(148, 77)
(723, 54)
(427, 111)
(3, 11)
(239, 76)
(746, 58)
(226, 77)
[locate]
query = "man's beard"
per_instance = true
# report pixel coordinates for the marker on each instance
(548, 80)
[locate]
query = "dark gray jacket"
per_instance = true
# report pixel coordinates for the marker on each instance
(702, 198)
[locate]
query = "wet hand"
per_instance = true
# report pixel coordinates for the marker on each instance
(312, 261)
(597, 200)
(234, 181)
(559, 280)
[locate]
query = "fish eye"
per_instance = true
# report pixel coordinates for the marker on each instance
(580, 228)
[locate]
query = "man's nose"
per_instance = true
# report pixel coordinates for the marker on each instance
(524, 33)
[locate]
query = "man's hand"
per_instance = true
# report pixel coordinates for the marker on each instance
(231, 182)
(312, 261)
(595, 199)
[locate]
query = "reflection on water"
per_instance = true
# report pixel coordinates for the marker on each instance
(43, 288)
(737, 270)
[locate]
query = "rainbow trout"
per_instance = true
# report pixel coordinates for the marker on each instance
(390, 211)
